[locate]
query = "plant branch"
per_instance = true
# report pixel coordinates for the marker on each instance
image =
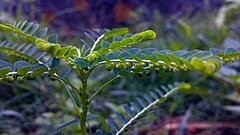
(67, 82)
(96, 42)
(74, 103)
(84, 97)
(99, 90)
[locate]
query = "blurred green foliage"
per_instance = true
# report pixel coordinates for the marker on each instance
(39, 107)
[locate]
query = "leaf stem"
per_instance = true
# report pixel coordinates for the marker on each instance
(95, 43)
(102, 87)
(67, 82)
(74, 102)
(84, 98)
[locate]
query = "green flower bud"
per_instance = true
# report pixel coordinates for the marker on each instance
(10, 79)
(121, 65)
(108, 67)
(142, 64)
(128, 64)
(20, 79)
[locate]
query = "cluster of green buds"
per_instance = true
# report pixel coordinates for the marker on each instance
(55, 49)
(127, 41)
(122, 65)
(15, 77)
(140, 67)
(225, 60)
(92, 57)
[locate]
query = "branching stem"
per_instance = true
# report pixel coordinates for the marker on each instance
(84, 98)
(102, 87)
(74, 102)
(66, 82)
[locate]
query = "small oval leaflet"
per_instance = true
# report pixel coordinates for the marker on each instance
(39, 69)
(5, 68)
(22, 67)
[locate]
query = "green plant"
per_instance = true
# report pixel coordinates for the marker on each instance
(112, 48)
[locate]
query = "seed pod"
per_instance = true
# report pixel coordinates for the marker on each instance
(20, 79)
(10, 79)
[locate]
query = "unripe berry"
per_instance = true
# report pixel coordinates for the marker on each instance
(121, 65)
(113, 64)
(157, 65)
(10, 79)
(20, 79)
(128, 64)
(151, 65)
(108, 67)
(142, 64)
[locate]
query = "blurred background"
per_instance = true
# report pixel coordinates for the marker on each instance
(213, 103)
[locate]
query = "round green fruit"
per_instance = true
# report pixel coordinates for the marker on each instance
(20, 79)
(113, 64)
(142, 64)
(128, 64)
(10, 79)
(108, 67)
(157, 65)
(121, 65)
(151, 65)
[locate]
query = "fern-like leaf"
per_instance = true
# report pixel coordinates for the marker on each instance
(138, 61)
(21, 70)
(144, 106)
(229, 54)
(128, 40)
(29, 31)
(12, 49)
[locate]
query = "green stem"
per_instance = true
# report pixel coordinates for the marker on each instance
(74, 102)
(84, 97)
(201, 79)
(66, 82)
(99, 90)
